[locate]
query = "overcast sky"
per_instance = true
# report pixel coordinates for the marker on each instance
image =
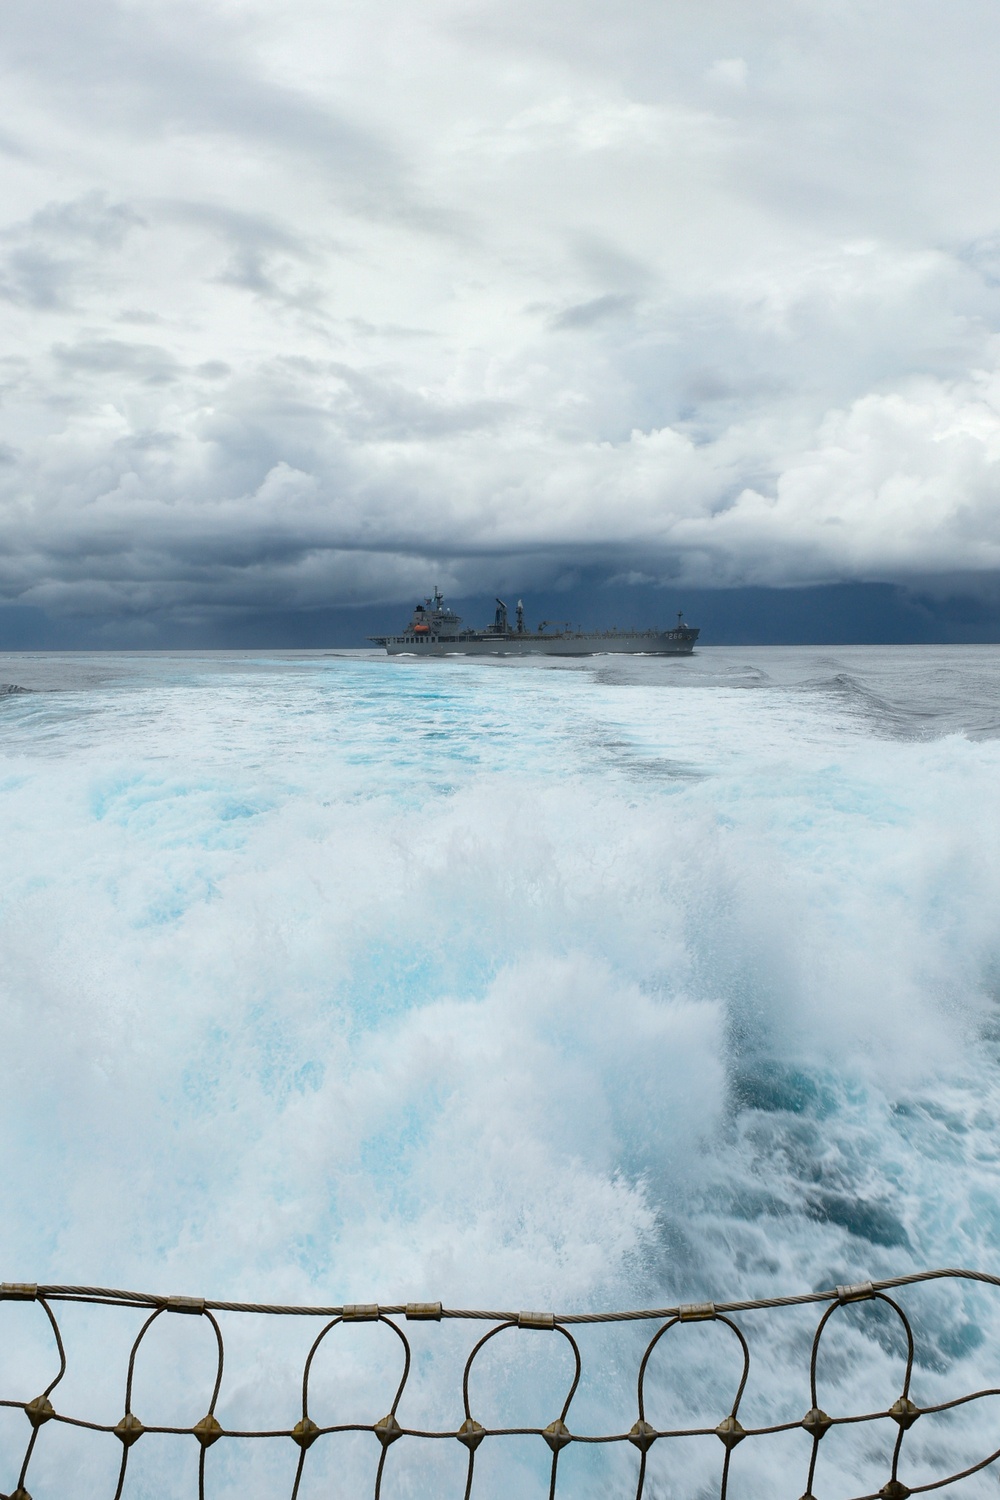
(317, 302)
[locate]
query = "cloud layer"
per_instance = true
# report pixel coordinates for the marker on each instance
(300, 306)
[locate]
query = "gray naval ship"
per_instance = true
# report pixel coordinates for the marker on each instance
(436, 630)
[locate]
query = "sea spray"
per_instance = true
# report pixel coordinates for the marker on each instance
(338, 978)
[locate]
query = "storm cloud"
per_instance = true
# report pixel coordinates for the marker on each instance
(302, 304)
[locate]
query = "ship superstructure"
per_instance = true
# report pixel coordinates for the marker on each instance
(436, 630)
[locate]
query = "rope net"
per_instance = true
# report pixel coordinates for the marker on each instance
(301, 1449)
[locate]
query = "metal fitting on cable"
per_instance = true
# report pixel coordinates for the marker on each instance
(536, 1320)
(18, 1291)
(193, 1305)
(418, 1312)
(696, 1312)
(360, 1312)
(862, 1291)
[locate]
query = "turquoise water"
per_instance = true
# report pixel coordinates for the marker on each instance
(329, 977)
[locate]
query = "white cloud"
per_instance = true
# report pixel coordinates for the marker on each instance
(730, 71)
(295, 301)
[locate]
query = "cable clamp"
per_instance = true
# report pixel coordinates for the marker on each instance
(423, 1312)
(305, 1433)
(536, 1320)
(387, 1430)
(904, 1412)
(18, 1291)
(208, 1430)
(730, 1432)
(193, 1305)
(557, 1435)
(129, 1429)
(816, 1422)
(40, 1410)
(360, 1312)
(862, 1291)
(471, 1433)
(696, 1312)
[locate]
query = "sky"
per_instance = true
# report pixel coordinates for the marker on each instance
(306, 308)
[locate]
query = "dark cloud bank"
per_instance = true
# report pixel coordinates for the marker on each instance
(835, 614)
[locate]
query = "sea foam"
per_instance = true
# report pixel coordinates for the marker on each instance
(335, 978)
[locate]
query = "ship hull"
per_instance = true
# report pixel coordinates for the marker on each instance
(640, 642)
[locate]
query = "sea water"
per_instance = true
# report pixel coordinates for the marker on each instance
(327, 977)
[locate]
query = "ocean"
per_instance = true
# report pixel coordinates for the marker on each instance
(571, 985)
